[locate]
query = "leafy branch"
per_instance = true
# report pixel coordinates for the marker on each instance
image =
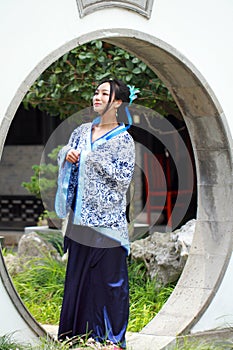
(67, 85)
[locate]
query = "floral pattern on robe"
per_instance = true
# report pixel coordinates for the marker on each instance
(99, 182)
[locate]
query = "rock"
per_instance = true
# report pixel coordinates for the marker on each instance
(184, 237)
(13, 264)
(165, 254)
(31, 245)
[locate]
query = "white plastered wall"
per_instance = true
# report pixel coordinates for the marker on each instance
(201, 31)
(30, 31)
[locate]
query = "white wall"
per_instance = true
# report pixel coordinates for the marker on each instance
(30, 30)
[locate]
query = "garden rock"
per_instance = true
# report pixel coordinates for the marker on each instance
(165, 254)
(31, 245)
(13, 264)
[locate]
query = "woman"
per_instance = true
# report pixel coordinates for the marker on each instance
(96, 168)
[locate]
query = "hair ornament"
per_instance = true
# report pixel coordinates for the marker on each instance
(133, 93)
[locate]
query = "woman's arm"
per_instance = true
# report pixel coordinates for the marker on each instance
(68, 152)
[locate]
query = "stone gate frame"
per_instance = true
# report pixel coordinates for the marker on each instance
(212, 243)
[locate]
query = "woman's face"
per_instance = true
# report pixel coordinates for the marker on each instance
(101, 98)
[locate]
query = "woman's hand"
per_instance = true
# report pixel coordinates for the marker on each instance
(73, 156)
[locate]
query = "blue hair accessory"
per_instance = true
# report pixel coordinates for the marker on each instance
(133, 93)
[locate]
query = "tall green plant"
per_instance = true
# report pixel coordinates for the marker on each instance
(44, 177)
(43, 184)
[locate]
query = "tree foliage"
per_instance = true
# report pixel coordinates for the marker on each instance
(67, 85)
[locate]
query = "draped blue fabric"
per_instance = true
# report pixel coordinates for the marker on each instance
(96, 297)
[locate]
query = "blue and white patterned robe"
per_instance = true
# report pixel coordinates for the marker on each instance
(100, 180)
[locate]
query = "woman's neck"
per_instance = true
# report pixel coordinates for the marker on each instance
(107, 122)
(102, 128)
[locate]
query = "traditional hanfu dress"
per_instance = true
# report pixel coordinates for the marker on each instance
(93, 192)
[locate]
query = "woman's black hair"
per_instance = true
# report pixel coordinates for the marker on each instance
(120, 89)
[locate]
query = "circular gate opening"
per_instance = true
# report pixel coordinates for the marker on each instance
(204, 118)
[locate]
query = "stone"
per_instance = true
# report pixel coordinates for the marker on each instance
(142, 7)
(165, 254)
(31, 245)
(13, 264)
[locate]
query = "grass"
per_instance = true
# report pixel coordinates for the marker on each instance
(7, 343)
(193, 344)
(146, 299)
(40, 287)
(41, 284)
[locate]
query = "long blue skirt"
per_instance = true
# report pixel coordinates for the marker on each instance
(96, 293)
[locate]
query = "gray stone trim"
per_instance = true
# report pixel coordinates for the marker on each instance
(17, 302)
(142, 7)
